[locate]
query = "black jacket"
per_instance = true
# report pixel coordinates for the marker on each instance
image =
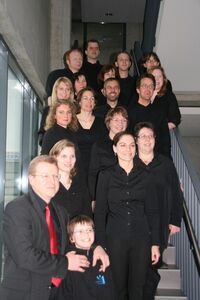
(29, 266)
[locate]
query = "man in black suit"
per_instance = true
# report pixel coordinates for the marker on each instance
(29, 264)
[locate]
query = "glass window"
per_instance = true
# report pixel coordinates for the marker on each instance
(13, 138)
(19, 106)
(110, 37)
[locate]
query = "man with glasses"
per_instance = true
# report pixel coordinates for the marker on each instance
(144, 111)
(35, 239)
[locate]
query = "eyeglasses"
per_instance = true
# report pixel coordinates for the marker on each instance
(47, 176)
(144, 136)
(80, 232)
(119, 121)
(146, 86)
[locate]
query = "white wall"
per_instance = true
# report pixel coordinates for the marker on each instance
(178, 43)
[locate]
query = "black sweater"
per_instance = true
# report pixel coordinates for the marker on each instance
(152, 113)
(55, 134)
(163, 172)
(54, 75)
(169, 106)
(90, 285)
(76, 199)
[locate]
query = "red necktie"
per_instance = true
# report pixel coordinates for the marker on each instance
(53, 241)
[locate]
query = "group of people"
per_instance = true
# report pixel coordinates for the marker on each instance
(104, 194)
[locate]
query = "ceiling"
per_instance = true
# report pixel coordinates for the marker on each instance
(108, 11)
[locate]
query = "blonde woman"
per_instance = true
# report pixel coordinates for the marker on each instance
(61, 124)
(73, 193)
(62, 89)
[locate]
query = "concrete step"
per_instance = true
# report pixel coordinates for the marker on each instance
(191, 99)
(170, 278)
(169, 294)
(169, 255)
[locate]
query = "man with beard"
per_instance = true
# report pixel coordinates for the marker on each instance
(111, 91)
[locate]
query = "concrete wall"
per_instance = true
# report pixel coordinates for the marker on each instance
(178, 43)
(61, 11)
(25, 26)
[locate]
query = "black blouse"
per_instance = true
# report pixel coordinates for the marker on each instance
(76, 199)
(102, 156)
(126, 205)
(87, 137)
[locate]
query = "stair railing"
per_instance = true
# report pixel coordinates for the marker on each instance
(187, 247)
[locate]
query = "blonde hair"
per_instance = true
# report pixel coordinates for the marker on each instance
(58, 147)
(68, 83)
(51, 121)
(40, 159)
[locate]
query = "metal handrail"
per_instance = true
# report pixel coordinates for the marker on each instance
(136, 68)
(191, 236)
(187, 242)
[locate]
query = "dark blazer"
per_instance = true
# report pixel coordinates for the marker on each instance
(29, 266)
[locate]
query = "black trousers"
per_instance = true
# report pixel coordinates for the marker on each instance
(152, 279)
(130, 259)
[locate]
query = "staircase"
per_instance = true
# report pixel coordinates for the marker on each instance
(169, 287)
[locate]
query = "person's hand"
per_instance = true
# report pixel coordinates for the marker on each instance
(93, 205)
(155, 254)
(100, 254)
(173, 229)
(77, 262)
(171, 125)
